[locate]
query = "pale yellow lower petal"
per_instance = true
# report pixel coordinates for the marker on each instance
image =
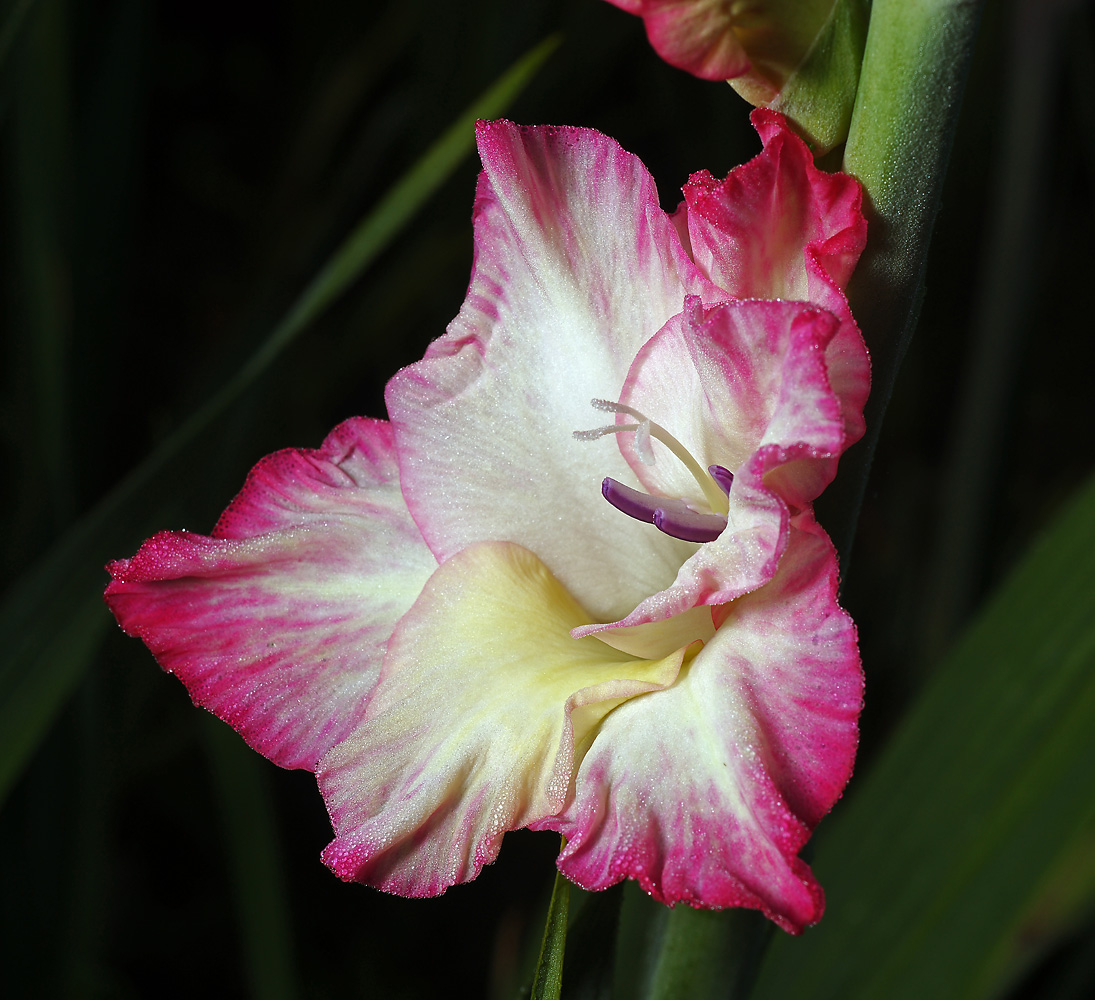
(472, 729)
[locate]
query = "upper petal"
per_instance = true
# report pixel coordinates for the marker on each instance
(751, 231)
(743, 385)
(278, 623)
(484, 702)
(576, 267)
(705, 791)
(778, 227)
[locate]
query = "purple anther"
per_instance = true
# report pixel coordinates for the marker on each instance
(634, 503)
(674, 517)
(724, 477)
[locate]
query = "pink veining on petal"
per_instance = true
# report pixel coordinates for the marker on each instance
(737, 381)
(745, 386)
(278, 622)
(705, 792)
(337, 618)
(778, 227)
(471, 729)
(580, 266)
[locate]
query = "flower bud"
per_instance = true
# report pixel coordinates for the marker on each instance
(800, 57)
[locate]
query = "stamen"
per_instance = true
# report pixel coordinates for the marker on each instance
(634, 503)
(642, 443)
(598, 432)
(673, 517)
(724, 477)
(716, 496)
(608, 406)
(683, 522)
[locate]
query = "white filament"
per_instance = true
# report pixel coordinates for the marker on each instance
(646, 429)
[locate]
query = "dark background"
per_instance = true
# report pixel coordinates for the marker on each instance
(173, 174)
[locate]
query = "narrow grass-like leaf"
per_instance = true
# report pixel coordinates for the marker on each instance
(387, 219)
(50, 603)
(942, 865)
(548, 981)
(250, 836)
(30, 702)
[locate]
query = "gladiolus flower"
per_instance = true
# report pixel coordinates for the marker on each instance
(443, 617)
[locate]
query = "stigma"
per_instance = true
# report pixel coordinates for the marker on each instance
(671, 515)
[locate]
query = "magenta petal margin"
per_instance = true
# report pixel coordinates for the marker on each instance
(443, 618)
(726, 830)
(278, 623)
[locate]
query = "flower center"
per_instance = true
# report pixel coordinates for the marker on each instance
(672, 515)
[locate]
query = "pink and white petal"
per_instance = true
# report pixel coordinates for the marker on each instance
(778, 227)
(744, 557)
(356, 464)
(696, 36)
(743, 385)
(750, 232)
(576, 267)
(278, 624)
(472, 728)
(846, 357)
(706, 791)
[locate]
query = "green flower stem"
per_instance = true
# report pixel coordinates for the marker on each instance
(548, 981)
(903, 121)
(906, 108)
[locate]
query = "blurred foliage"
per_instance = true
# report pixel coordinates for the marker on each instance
(965, 850)
(174, 175)
(35, 680)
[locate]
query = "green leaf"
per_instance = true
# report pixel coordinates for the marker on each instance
(967, 847)
(41, 188)
(29, 703)
(376, 231)
(708, 954)
(58, 604)
(548, 982)
(664, 954)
